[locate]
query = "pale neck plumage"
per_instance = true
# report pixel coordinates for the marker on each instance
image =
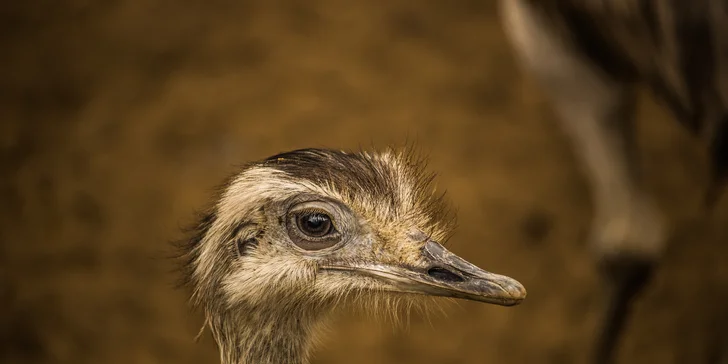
(246, 336)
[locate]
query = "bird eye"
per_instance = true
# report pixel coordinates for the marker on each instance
(314, 224)
(312, 230)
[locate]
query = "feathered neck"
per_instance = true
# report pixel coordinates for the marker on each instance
(264, 336)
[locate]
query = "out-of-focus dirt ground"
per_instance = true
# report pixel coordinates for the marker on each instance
(118, 118)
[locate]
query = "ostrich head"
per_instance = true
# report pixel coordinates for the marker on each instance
(295, 235)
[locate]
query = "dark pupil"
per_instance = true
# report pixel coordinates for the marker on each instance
(315, 224)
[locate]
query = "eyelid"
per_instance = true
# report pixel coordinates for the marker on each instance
(298, 210)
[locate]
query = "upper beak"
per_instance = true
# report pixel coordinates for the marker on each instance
(445, 274)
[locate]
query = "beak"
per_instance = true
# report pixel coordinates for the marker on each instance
(445, 274)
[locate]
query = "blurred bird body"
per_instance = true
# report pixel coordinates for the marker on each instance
(678, 49)
(295, 236)
(589, 55)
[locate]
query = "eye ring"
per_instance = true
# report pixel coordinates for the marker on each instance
(312, 229)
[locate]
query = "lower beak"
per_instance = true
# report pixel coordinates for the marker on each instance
(445, 274)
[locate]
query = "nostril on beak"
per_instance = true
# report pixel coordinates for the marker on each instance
(442, 274)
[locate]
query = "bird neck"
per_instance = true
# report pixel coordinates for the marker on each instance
(264, 336)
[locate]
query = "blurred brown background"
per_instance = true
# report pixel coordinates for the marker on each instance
(117, 118)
